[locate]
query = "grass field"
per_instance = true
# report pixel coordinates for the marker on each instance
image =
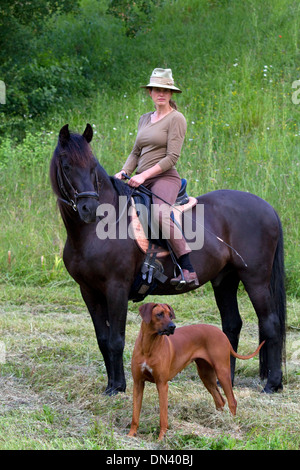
(236, 63)
(53, 377)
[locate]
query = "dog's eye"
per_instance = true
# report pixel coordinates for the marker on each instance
(160, 315)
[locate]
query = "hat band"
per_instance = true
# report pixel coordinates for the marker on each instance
(161, 81)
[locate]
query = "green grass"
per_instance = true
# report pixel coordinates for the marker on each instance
(53, 378)
(235, 62)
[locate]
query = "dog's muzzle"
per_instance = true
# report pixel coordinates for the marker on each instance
(169, 330)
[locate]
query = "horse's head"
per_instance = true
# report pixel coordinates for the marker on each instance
(74, 174)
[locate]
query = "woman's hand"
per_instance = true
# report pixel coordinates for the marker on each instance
(120, 175)
(136, 180)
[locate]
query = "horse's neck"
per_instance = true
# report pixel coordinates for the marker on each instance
(107, 192)
(71, 219)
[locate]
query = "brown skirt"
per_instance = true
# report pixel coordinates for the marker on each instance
(166, 186)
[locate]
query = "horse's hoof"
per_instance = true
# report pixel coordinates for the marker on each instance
(272, 389)
(111, 391)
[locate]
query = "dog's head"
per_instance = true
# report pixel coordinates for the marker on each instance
(160, 316)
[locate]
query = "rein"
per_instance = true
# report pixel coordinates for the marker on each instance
(67, 199)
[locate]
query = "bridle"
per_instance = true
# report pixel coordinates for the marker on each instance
(72, 199)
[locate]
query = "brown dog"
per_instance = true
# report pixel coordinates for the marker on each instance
(158, 358)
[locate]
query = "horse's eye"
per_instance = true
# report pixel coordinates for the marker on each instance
(66, 167)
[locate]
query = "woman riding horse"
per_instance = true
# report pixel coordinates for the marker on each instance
(156, 150)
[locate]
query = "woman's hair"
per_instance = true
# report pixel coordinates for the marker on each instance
(173, 104)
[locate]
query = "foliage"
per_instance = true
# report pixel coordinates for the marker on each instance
(37, 88)
(33, 82)
(28, 154)
(21, 22)
(63, 52)
(53, 52)
(135, 15)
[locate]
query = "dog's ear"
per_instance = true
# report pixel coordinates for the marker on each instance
(171, 311)
(146, 311)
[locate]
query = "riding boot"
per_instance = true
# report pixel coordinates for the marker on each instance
(188, 273)
(190, 278)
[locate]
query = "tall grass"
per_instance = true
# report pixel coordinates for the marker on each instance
(31, 235)
(235, 61)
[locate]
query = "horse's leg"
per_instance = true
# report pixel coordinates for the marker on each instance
(269, 330)
(225, 289)
(96, 304)
(117, 303)
(109, 318)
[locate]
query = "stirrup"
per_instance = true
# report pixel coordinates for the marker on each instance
(182, 282)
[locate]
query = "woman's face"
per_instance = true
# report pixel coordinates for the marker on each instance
(160, 96)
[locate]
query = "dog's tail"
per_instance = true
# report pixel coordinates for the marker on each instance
(239, 356)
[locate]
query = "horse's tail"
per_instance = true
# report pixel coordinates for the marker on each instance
(239, 356)
(278, 299)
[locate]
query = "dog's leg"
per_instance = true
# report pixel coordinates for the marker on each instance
(209, 379)
(163, 405)
(224, 377)
(138, 390)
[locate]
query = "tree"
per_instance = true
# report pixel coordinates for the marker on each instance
(134, 14)
(30, 87)
(22, 21)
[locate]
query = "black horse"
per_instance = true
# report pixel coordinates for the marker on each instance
(106, 269)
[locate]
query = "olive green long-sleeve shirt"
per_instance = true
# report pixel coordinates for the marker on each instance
(159, 142)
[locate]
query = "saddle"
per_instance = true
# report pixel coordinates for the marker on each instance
(150, 242)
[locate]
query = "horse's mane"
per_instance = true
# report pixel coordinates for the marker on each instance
(80, 154)
(121, 188)
(77, 149)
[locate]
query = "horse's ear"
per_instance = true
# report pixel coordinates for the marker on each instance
(64, 135)
(88, 133)
(146, 311)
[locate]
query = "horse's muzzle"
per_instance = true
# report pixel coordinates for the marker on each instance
(87, 209)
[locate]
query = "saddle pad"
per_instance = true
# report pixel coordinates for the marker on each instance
(138, 231)
(179, 209)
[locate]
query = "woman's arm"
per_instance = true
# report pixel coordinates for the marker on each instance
(176, 135)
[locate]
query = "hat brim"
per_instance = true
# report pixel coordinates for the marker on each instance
(168, 87)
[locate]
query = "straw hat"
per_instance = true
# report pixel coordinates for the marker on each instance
(162, 78)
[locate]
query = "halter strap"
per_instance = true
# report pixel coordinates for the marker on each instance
(67, 199)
